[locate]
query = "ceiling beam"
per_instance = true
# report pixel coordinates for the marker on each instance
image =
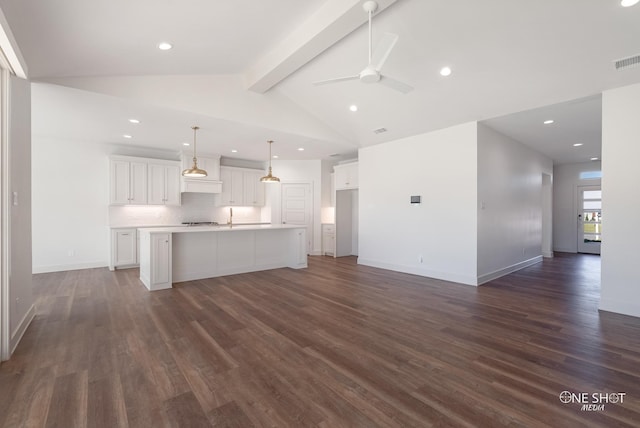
(333, 21)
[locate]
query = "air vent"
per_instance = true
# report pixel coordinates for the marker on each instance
(333, 155)
(379, 130)
(630, 62)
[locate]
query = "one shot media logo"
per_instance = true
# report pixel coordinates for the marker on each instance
(592, 401)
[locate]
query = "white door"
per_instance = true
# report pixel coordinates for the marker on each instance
(297, 208)
(589, 219)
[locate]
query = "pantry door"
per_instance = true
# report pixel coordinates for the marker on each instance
(297, 207)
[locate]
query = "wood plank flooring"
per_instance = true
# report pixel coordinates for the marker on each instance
(334, 345)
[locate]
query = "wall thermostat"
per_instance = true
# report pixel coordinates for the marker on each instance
(415, 199)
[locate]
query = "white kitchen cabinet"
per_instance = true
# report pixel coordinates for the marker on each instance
(241, 187)
(346, 176)
(124, 248)
(253, 188)
(128, 181)
(164, 183)
(210, 163)
(328, 239)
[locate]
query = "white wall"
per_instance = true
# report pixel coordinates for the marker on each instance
(307, 171)
(70, 205)
(21, 308)
(566, 179)
(620, 287)
(441, 166)
(509, 204)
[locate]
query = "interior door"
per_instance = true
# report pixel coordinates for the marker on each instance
(297, 208)
(589, 219)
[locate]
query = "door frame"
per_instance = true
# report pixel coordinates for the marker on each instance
(5, 253)
(580, 221)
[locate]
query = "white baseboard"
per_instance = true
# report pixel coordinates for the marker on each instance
(566, 250)
(507, 270)
(74, 266)
(17, 334)
(446, 276)
(548, 255)
(630, 308)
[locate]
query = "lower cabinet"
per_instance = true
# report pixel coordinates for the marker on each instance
(156, 260)
(124, 248)
(328, 239)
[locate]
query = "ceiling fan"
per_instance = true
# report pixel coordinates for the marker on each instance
(371, 73)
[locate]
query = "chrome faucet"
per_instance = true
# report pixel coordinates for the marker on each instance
(230, 222)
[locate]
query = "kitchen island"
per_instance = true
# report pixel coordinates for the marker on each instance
(176, 254)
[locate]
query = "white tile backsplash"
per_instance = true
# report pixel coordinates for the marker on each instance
(195, 207)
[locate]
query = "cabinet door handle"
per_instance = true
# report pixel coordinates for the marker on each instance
(125, 234)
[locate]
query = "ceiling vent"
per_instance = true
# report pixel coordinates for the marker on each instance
(379, 130)
(630, 62)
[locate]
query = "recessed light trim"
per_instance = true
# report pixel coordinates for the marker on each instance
(577, 145)
(234, 151)
(164, 46)
(275, 156)
(186, 144)
(127, 136)
(301, 149)
(136, 121)
(628, 3)
(548, 121)
(595, 158)
(353, 107)
(445, 71)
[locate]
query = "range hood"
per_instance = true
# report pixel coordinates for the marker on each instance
(197, 185)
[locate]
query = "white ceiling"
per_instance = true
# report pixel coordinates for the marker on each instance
(507, 56)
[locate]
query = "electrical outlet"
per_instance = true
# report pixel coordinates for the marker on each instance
(420, 259)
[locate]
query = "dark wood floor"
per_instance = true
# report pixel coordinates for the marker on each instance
(333, 345)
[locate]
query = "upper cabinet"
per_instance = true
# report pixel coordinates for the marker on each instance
(209, 184)
(253, 188)
(128, 181)
(164, 183)
(241, 187)
(346, 176)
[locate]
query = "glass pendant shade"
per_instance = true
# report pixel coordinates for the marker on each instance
(269, 178)
(194, 171)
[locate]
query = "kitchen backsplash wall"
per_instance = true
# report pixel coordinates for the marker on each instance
(195, 207)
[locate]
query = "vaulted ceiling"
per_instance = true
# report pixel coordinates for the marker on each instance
(243, 70)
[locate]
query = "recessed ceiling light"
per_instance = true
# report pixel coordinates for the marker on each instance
(594, 159)
(353, 107)
(127, 136)
(628, 3)
(164, 46)
(275, 156)
(445, 71)
(577, 144)
(234, 151)
(186, 144)
(134, 121)
(301, 149)
(548, 122)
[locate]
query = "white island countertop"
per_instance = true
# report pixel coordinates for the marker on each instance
(221, 228)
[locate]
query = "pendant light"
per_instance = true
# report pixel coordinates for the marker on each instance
(269, 178)
(194, 171)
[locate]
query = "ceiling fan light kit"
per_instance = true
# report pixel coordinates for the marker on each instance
(377, 58)
(194, 171)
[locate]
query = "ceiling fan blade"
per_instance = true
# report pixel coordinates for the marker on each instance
(383, 49)
(396, 84)
(337, 79)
